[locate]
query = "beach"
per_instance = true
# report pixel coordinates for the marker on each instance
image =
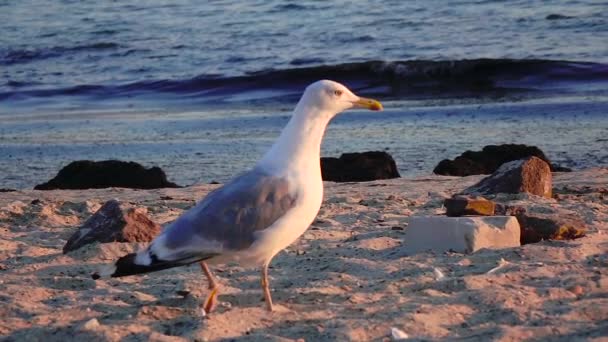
(346, 278)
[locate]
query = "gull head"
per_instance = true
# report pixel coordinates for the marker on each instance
(332, 98)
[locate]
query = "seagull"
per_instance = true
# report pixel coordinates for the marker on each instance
(260, 212)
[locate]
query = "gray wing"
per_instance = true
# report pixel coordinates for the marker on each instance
(229, 216)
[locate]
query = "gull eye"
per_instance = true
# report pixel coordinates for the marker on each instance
(338, 92)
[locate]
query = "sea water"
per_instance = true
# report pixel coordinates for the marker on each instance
(203, 88)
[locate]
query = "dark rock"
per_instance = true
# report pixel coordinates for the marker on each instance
(460, 166)
(86, 174)
(359, 167)
(509, 210)
(114, 223)
(7, 190)
(531, 175)
(489, 159)
(183, 293)
(538, 227)
(460, 205)
(555, 16)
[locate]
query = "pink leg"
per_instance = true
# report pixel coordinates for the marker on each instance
(266, 287)
(211, 300)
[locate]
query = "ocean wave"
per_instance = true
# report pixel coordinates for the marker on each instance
(398, 79)
(9, 57)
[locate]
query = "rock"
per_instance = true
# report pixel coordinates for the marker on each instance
(509, 210)
(538, 227)
(531, 175)
(459, 167)
(91, 324)
(460, 234)
(577, 290)
(460, 205)
(359, 167)
(86, 174)
(95, 252)
(489, 159)
(114, 223)
(183, 293)
(7, 190)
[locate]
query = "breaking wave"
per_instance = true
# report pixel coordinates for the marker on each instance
(394, 80)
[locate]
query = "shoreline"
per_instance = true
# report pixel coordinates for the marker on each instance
(347, 277)
(205, 146)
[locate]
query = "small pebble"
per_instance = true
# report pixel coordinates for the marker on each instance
(465, 262)
(91, 324)
(577, 290)
(183, 293)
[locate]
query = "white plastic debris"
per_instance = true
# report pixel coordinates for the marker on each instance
(438, 274)
(460, 234)
(398, 335)
(501, 263)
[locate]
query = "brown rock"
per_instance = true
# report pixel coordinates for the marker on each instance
(538, 227)
(468, 205)
(577, 290)
(531, 175)
(114, 223)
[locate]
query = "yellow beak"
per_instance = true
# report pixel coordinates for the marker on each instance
(370, 104)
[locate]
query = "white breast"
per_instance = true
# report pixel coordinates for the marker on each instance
(291, 226)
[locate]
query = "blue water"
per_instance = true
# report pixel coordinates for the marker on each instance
(202, 88)
(71, 48)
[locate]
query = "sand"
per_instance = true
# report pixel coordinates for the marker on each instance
(346, 278)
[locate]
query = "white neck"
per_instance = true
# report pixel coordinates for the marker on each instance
(299, 145)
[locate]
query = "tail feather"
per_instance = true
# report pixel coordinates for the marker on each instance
(127, 265)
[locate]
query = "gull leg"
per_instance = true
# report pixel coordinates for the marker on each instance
(266, 288)
(211, 300)
(210, 279)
